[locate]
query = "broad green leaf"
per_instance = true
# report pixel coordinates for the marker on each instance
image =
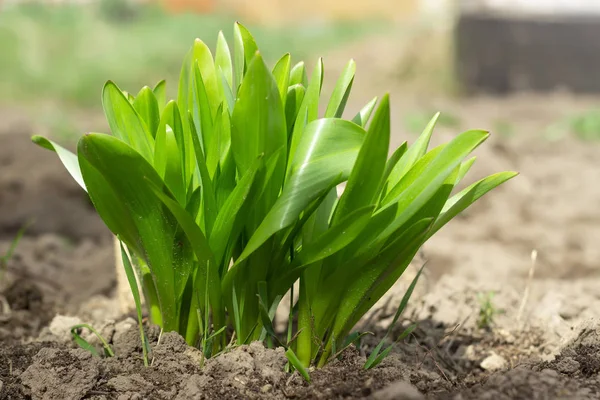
(295, 95)
(244, 51)
(208, 193)
(281, 73)
(171, 117)
(207, 268)
(118, 177)
(464, 169)
(227, 91)
(363, 115)
(460, 201)
(432, 207)
(364, 182)
(340, 94)
(229, 212)
(160, 92)
(365, 287)
(414, 153)
(390, 164)
(258, 120)
(68, 159)
(308, 112)
(337, 237)
(125, 123)
(167, 162)
(146, 105)
(223, 62)
(407, 202)
(298, 75)
(325, 156)
(202, 114)
(202, 57)
(184, 91)
(213, 151)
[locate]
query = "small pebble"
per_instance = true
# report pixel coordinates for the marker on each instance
(494, 362)
(267, 388)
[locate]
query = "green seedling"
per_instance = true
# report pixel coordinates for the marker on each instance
(84, 344)
(487, 310)
(11, 250)
(226, 196)
(379, 353)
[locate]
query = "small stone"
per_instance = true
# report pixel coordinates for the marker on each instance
(567, 366)
(267, 388)
(1, 386)
(400, 390)
(61, 327)
(494, 362)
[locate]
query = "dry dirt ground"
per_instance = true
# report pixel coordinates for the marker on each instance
(543, 342)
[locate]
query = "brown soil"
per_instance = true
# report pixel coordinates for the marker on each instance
(547, 349)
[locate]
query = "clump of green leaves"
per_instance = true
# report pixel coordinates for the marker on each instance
(225, 197)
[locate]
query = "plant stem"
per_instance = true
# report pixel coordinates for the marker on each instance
(304, 340)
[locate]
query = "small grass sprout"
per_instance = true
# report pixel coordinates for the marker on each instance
(487, 310)
(225, 197)
(84, 344)
(11, 250)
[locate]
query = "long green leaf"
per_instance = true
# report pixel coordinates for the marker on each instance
(203, 59)
(68, 159)
(224, 224)
(146, 105)
(207, 268)
(340, 94)
(124, 121)
(314, 169)
(295, 95)
(281, 73)
(160, 92)
(244, 51)
(363, 115)
(308, 112)
(258, 120)
(298, 75)
(117, 180)
(414, 153)
(468, 196)
(407, 202)
(364, 182)
(133, 285)
(223, 62)
(337, 237)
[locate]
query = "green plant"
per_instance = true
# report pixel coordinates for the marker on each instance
(585, 126)
(226, 197)
(414, 122)
(11, 250)
(487, 310)
(84, 344)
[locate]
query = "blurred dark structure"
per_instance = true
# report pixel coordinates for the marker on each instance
(500, 54)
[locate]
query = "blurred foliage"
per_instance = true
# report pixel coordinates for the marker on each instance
(66, 53)
(415, 121)
(585, 126)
